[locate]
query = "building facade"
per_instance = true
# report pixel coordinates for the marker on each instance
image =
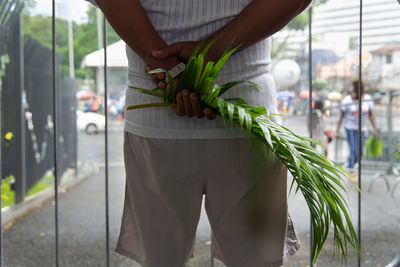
(336, 31)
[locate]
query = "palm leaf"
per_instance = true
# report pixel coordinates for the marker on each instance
(241, 113)
(208, 46)
(229, 85)
(230, 110)
(187, 77)
(205, 78)
(150, 92)
(220, 63)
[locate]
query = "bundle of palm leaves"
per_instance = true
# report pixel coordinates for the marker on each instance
(318, 178)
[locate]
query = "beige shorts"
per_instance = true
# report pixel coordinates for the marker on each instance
(245, 200)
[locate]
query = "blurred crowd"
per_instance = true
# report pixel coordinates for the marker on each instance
(96, 104)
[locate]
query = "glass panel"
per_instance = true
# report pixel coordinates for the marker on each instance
(27, 132)
(117, 84)
(81, 123)
(381, 65)
(335, 51)
(290, 69)
(117, 75)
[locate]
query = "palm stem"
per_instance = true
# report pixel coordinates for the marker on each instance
(150, 105)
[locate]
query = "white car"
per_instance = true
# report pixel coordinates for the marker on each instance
(90, 122)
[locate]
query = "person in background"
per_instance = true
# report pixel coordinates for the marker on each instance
(319, 132)
(112, 108)
(349, 116)
(95, 104)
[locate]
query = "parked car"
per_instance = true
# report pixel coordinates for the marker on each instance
(90, 122)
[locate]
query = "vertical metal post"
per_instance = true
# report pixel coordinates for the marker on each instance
(310, 114)
(1, 141)
(106, 141)
(390, 132)
(99, 30)
(71, 50)
(359, 131)
(21, 169)
(211, 250)
(55, 132)
(1, 165)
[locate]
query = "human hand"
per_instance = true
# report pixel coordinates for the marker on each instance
(375, 132)
(337, 134)
(180, 50)
(157, 78)
(188, 104)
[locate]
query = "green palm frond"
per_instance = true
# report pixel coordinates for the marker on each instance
(318, 178)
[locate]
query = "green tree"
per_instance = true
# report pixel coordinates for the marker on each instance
(319, 84)
(85, 38)
(39, 27)
(299, 23)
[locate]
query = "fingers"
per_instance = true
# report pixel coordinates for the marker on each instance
(183, 104)
(157, 78)
(209, 113)
(161, 84)
(196, 105)
(179, 109)
(187, 104)
(172, 50)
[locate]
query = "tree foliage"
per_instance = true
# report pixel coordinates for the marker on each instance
(299, 23)
(319, 84)
(85, 41)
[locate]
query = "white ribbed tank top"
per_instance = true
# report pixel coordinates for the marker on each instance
(193, 20)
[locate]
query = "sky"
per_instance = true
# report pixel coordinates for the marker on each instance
(66, 9)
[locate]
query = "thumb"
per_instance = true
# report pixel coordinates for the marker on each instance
(171, 50)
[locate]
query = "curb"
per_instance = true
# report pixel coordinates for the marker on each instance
(68, 181)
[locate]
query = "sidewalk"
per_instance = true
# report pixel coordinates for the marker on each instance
(30, 241)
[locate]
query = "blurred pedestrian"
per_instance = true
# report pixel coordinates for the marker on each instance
(95, 104)
(350, 118)
(319, 133)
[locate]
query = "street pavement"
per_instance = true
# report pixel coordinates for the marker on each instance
(30, 240)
